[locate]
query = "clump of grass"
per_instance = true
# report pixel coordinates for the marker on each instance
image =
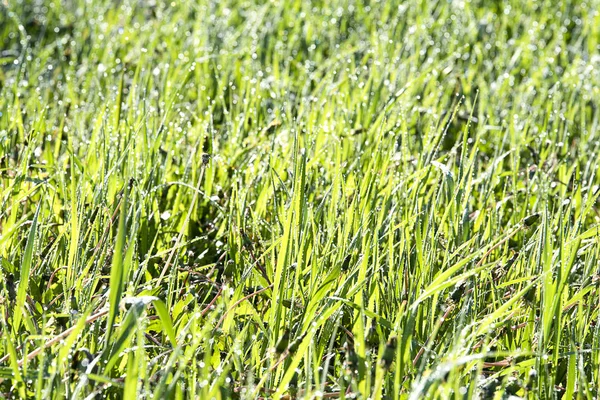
(299, 199)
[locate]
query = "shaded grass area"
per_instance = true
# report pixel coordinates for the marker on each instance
(299, 199)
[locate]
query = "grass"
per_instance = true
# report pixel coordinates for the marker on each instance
(299, 199)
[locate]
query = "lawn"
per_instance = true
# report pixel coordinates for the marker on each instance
(299, 199)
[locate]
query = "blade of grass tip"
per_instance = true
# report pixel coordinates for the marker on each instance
(165, 318)
(24, 273)
(129, 325)
(117, 273)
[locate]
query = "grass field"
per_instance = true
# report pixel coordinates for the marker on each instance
(299, 199)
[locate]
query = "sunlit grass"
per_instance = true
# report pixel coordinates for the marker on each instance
(296, 199)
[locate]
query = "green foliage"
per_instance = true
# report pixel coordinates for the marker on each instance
(299, 199)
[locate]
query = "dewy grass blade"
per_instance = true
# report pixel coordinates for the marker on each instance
(118, 274)
(165, 319)
(74, 239)
(24, 273)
